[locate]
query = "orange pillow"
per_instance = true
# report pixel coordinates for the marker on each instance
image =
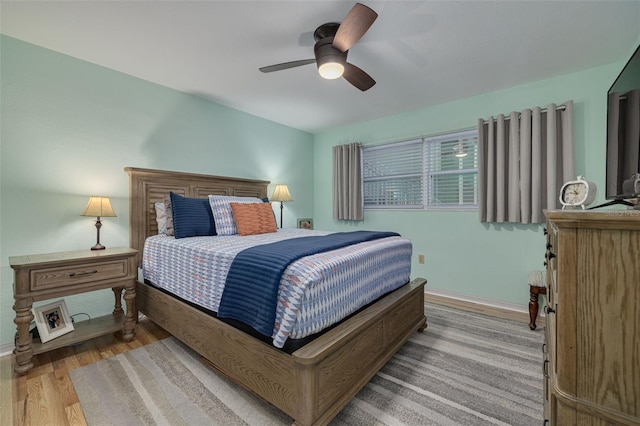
(253, 218)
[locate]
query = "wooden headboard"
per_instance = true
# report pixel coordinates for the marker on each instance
(147, 186)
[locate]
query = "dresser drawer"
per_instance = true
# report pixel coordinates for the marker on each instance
(90, 272)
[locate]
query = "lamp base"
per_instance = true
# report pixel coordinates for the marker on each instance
(98, 246)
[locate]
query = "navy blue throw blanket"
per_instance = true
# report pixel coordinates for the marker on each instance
(251, 290)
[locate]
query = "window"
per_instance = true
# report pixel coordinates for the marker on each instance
(439, 172)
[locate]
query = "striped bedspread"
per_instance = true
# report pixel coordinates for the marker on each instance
(315, 291)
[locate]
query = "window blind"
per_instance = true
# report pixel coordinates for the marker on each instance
(427, 173)
(393, 175)
(452, 170)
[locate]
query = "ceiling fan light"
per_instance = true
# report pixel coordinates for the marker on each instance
(331, 70)
(460, 152)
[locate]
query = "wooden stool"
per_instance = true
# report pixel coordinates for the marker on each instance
(537, 286)
(534, 291)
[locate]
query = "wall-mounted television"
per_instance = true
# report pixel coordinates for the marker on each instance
(623, 134)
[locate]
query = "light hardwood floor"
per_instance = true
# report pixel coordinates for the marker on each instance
(45, 395)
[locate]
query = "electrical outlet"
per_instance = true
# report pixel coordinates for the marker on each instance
(421, 258)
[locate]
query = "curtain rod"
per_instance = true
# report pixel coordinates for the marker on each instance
(542, 111)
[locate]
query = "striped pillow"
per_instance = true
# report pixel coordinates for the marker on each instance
(254, 218)
(222, 214)
(166, 200)
(191, 216)
(161, 218)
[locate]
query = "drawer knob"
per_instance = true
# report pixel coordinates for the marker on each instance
(549, 310)
(80, 274)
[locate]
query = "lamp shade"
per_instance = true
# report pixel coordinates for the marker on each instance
(281, 193)
(99, 207)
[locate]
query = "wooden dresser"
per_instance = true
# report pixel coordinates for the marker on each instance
(592, 342)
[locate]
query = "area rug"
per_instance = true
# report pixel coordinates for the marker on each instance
(464, 369)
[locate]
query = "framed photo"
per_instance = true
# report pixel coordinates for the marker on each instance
(305, 223)
(52, 320)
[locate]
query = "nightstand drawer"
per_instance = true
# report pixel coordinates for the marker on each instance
(42, 279)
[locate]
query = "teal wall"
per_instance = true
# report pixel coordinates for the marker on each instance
(70, 127)
(462, 255)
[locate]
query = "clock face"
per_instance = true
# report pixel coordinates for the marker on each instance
(575, 193)
(579, 192)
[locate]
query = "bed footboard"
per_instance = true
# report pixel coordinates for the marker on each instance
(334, 367)
(314, 383)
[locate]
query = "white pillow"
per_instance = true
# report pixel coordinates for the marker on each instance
(161, 218)
(222, 213)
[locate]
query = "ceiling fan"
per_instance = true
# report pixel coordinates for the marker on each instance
(333, 41)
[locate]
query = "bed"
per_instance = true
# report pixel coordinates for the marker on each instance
(311, 384)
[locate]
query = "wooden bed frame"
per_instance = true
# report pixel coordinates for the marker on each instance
(315, 382)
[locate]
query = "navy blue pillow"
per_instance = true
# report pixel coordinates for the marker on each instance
(192, 217)
(266, 200)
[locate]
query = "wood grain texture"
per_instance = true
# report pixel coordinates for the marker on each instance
(53, 275)
(596, 339)
(147, 187)
(314, 383)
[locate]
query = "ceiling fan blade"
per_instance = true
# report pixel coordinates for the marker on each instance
(354, 25)
(306, 39)
(287, 65)
(357, 77)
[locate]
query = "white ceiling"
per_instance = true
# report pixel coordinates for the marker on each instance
(421, 53)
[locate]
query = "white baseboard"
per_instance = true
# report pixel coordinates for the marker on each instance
(6, 349)
(480, 300)
(485, 306)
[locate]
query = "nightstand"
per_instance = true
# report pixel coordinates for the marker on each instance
(48, 276)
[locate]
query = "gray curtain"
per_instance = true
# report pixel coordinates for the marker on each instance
(347, 182)
(523, 160)
(623, 136)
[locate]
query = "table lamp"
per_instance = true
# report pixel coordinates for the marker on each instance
(98, 207)
(281, 193)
